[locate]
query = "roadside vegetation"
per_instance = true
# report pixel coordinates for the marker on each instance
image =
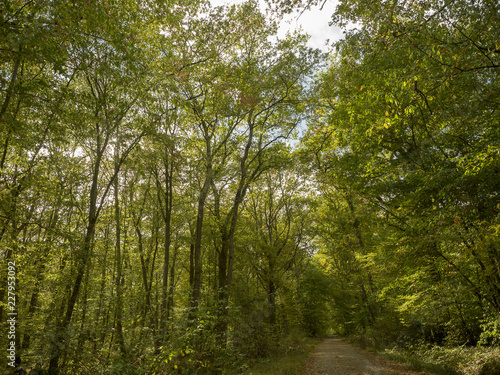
(287, 362)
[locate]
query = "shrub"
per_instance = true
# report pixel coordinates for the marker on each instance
(491, 333)
(492, 367)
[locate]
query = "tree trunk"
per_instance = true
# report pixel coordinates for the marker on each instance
(99, 313)
(10, 89)
(226, 255)
(167, 217)
(271, 304)
(170, 304)
(119, 263)
(82, 260)
(196, 293)
(33, 305)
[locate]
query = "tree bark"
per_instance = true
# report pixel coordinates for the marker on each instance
(119, 263)
(167, 217)
(228, 229)
(196, 293)
(82, 257)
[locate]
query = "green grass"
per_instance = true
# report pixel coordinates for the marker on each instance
(287, 363)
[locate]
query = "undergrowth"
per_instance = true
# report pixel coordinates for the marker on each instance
(435, 359)
(450, 361)
(288, 362)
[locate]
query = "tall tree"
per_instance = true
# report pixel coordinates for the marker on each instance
(409, 102)
(277, 218)
(102, 94)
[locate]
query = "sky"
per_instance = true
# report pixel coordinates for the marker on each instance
(313, 22)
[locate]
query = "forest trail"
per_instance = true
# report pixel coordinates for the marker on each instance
(335, 357)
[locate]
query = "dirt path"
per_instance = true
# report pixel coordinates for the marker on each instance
(334, 357)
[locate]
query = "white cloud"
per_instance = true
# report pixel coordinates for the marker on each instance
(313, 22)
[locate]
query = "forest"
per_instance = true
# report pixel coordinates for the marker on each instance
(182, 191)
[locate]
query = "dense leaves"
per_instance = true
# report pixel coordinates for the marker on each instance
(164, 216)
(408, 128)
(131, 135)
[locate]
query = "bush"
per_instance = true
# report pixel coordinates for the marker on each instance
(456, 360)
(490, 333)
(492, 367)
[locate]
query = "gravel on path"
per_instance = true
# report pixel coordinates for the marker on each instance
(335, 357)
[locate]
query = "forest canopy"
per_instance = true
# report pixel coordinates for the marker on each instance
(181, 190)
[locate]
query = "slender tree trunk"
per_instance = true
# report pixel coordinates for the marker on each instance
(99, 313)
(271, 310)
(33, 305)
(226, 255)
(10, 89)
(144, 269)
(14, 233)
(83, 333)
(155, 235)
(82, 263)
(298, 291)
(170, 304)
(191, 265)
(366, 302)
(196, 293)
(82, 260)
(167, 217)
(118, 257)
(271, 304)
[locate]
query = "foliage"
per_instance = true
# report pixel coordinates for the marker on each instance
(288, 362)
(132, 136)
(316, 289)
(490, 334)
(164, 215)
(408, 221)
(458, 360)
